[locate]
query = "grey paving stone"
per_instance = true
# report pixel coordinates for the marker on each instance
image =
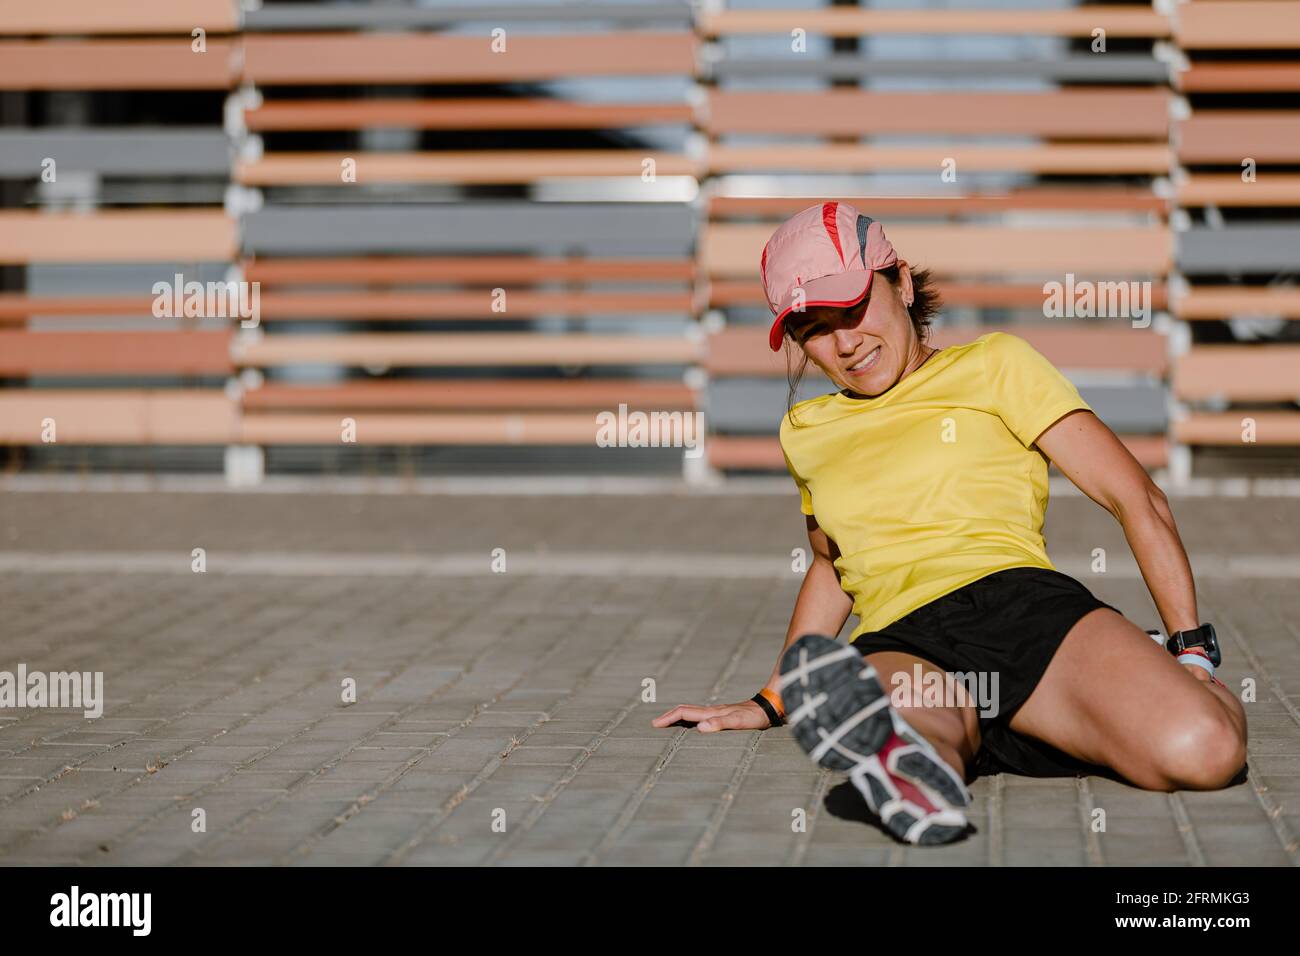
(233, 680)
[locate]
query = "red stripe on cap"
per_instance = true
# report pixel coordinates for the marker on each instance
(828, 220)
(762, 263)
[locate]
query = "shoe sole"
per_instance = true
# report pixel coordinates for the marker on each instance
(841, 717)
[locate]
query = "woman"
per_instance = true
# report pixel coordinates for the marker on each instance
(924, 486)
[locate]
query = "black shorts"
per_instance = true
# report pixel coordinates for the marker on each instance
(1008, 623)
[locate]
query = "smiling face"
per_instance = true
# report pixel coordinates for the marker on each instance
(864, 348)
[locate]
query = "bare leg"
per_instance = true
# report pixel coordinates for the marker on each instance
(953, 730)
(1113, 697)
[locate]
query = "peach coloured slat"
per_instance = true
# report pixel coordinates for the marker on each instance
(506, 166)
(1084, 159)
(1108, 199)
(116, 65)
(512, 349)
(742, 350)
(1227, 189)
(1238, 25)
(1226, 136)
(1221, 302)
(117, 235)
(17, 307)
(1118, 21)
(1239, 78)
(1257, 373)
(23, 17)
(460, 114)
(764, 454)
(377, 428)
(1076, 114)
(1225, 428)
(734, 249)
(520, 304)
(115, 353)
(119, 416)
(488, 270)
(474, 394)
(742, 292)
(326, 58)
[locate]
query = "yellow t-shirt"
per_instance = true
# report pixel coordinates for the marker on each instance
(932, 484)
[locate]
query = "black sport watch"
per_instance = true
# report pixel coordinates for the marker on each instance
(1202, 637)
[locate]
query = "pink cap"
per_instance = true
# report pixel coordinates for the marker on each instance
(830, 251)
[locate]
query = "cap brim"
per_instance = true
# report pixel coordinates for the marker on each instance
(839, 291)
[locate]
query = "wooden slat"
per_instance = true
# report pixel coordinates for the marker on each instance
(445, 350)
(1102, 198)
(1117, 21)
(117, 235)
(1084, 159)
(467, 166)
(377, 428)
(116, 65)
(1223, 302)
(491, 271)
(734, 452)
(528, 113)
(326, 58)
(1228, 189)
(118, 416)
(78, 17)
(1225, 428)
(463, 394)
(724, 293)
(1227, 136)
(743, 350)
(520, 304)
(734, 249)
(1077, 114)
(1219, 77)
(1246, 373)
(1238, 25)
(18, 307)
(115, 353)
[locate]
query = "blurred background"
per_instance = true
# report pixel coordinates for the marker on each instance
(473, 226)
(471, 229)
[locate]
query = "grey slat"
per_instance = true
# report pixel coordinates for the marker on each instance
(111, 278)
(596, 229)
(140, 151)
(366, 16)
(1112, 67)
(755, 406)
(1261, 249)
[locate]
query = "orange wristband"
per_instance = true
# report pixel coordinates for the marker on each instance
(775, 700)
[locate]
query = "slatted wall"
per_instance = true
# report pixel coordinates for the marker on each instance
(474, 226)
(1236, 378)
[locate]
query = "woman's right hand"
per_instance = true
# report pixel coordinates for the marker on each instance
(746, 715)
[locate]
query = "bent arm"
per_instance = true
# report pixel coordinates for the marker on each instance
(822, 606)
(1091, 456)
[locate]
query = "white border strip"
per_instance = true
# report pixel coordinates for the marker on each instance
(541, 485)
(600, 564)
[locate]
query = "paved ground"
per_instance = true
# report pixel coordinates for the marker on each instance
(515, 698)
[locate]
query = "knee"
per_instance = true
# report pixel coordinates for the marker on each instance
(1201, 751)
